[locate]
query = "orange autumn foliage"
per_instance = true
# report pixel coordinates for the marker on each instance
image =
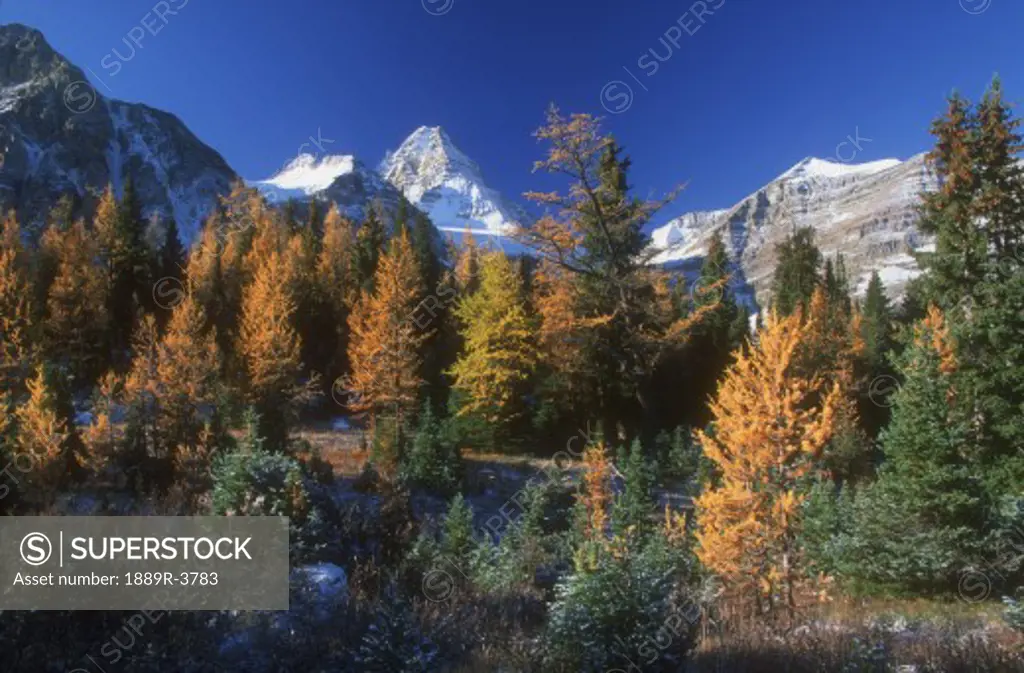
(606, 310)
(16, 338)
(385, 341)
(935, 328)
(597, 493)
(772, 422)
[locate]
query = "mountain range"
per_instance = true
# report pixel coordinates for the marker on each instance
(867, 212)
(59, 135)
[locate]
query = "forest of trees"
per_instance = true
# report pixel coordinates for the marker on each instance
(185, 377)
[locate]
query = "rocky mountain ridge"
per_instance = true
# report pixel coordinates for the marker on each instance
(59, 135)
(867, 211)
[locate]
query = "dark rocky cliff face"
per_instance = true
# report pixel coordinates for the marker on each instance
(59, 136)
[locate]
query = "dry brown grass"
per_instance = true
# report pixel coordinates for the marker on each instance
(344, 450)
(865, 635)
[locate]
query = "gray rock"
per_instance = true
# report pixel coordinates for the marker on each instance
(59, 135)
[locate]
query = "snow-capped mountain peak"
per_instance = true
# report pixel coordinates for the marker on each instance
(814, 168)
(439, 179)
(866, 211)
(308, 174)
(341, 179)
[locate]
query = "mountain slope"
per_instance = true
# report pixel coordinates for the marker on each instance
(59, 135)
(448, 186)
(868, 212)
(341, 179)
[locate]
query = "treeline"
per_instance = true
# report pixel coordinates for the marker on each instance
(318, 315)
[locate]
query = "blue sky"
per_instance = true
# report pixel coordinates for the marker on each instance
(746, 88)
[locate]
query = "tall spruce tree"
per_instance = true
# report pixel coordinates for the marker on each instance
(172, 253)
(127, 263)
(370, 239)
(796, 272)
(873, 368)
(958, 263)
(632, 513)
(1000, 200)
(923, 519)
(696, 369)
(974, 272)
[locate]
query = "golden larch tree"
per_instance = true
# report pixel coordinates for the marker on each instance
(771, 423)
(143, 436)
(385, 342)
(270, 347)
(500, 350)
(101, 437)
(333, 264)
(593, 233)
(205, 278)
(831, 349)
(466, 269)
(16, 313)
(595, 501)
(335, 292)
(76, 324)
(45, 437)
(188, 365)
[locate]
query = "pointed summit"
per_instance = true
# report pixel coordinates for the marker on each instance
(439, 179)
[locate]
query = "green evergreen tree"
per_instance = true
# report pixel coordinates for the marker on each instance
(631, 516)
(796, 272)
(457, 536)
(314, 231)
(169, 262)
(919, 523)
(684, 455)
(288, 215)
(874, 370)
(370, 239)
(695, 370)
(958, 263)
(128, 264)
(432, 461)
(837, 285)
(976, 218)
(997, 148)
(876, 324)
(993, 377)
